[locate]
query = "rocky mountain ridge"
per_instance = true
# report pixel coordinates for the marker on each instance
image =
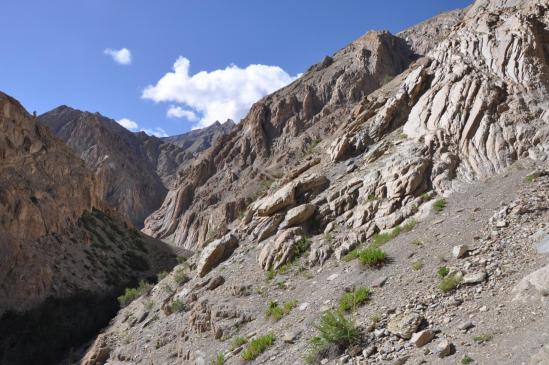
(66, 255)
(136, 170)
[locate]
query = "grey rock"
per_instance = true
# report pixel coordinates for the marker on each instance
(474, 278)
(404, 325)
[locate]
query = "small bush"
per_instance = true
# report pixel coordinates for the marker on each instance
(180, 277)
(442, 272)
(483, 338)
(276, 312)
(302, 246)
(466, 360)
(372, 197)
(161, 275)
(237, 342)
(372, 257)
(130, 294)
(417, 242)
(417, 265)
(181, 259)
(426, 197)
(449, 283)
(380, 239)
(412, 223)
(439, 205)
(257, 346)
(218, 360)
(148, 304)
(269, 275)
(177, 306)
(350, 301)
(334, 329)
(530, 178)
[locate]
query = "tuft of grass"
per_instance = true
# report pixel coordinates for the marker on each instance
(425, 197)
(403, 136)
(334, 329)
(372, 257)
(417, 265)
(177, 306)
(442, 272)
(237, 342)
(466, 360)
(301, 247)
(218, 360)
(181, 277)
(276, 312)
(161, 275)
(380, 239)
(530, 178)
(351, 301)
(412, 223)
(449, 283)
(130, 294)
(148, 304)
(372, 197)
(270, 275)
(417, 242)
(351, 255)
(483, 338)
(181, 259)
(439, 205)
(257, 346)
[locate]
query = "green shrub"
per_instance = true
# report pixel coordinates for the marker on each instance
(148, 304)
(181, 277)
(218, 360)
(181, 259)
(442, 272)
(177, 306)
(439, 205)
(302, 246)
(257, 346)
(466, 360)
(130, 294)
(530, 178)
(426, 197)
(372, 257)
(483, 338)
(380, 239)
(276, 312)
(350, 301)
(334, 329)
(449, 283)
(161, 275)
(417, 265)
(412, 223)
(269, 275)
(237, 342)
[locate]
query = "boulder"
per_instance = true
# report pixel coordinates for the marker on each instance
(339, 148)
(216, 252)
(460, 251)
(281, 199)
(280, 249)
(404, 325)
(298, 215)
(474, 278)
(267, 227)
(422, 338)
(534, 285)
(444, 348)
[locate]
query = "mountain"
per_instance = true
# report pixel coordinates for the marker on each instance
(199, 140)
(135, 169)
(389, 206)
(65, 256)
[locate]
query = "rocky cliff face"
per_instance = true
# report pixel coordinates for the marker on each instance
(135, 170)
(383, 183)
(65, 255)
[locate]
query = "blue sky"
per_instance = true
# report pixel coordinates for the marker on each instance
(54, 52)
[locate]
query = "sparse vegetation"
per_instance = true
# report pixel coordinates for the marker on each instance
(372, 197)
(180, 277)
(237, 342)
(161, 275)
(442, 272)
(417, 265)
(130, 294)
(276, 312)
(181, 259)
(301, 247)
(270, 275)
(257, 346)
(351, 301)
(411, 224)
(449, 283)
(402, 136)
(372, 257)
(177, 306)
(426, 197)
(483, 338)
(439, 205)
(148, 304)
(530, 178)
(219, 359)
(417, 242)
(466, 360)
(334, 329)
(380, 239)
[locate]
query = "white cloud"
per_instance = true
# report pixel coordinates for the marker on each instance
(121, 56)
(179, 112)
(219, 94)
(128, 124)
(157, 132)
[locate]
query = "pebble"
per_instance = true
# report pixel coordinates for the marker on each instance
(460, 251)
